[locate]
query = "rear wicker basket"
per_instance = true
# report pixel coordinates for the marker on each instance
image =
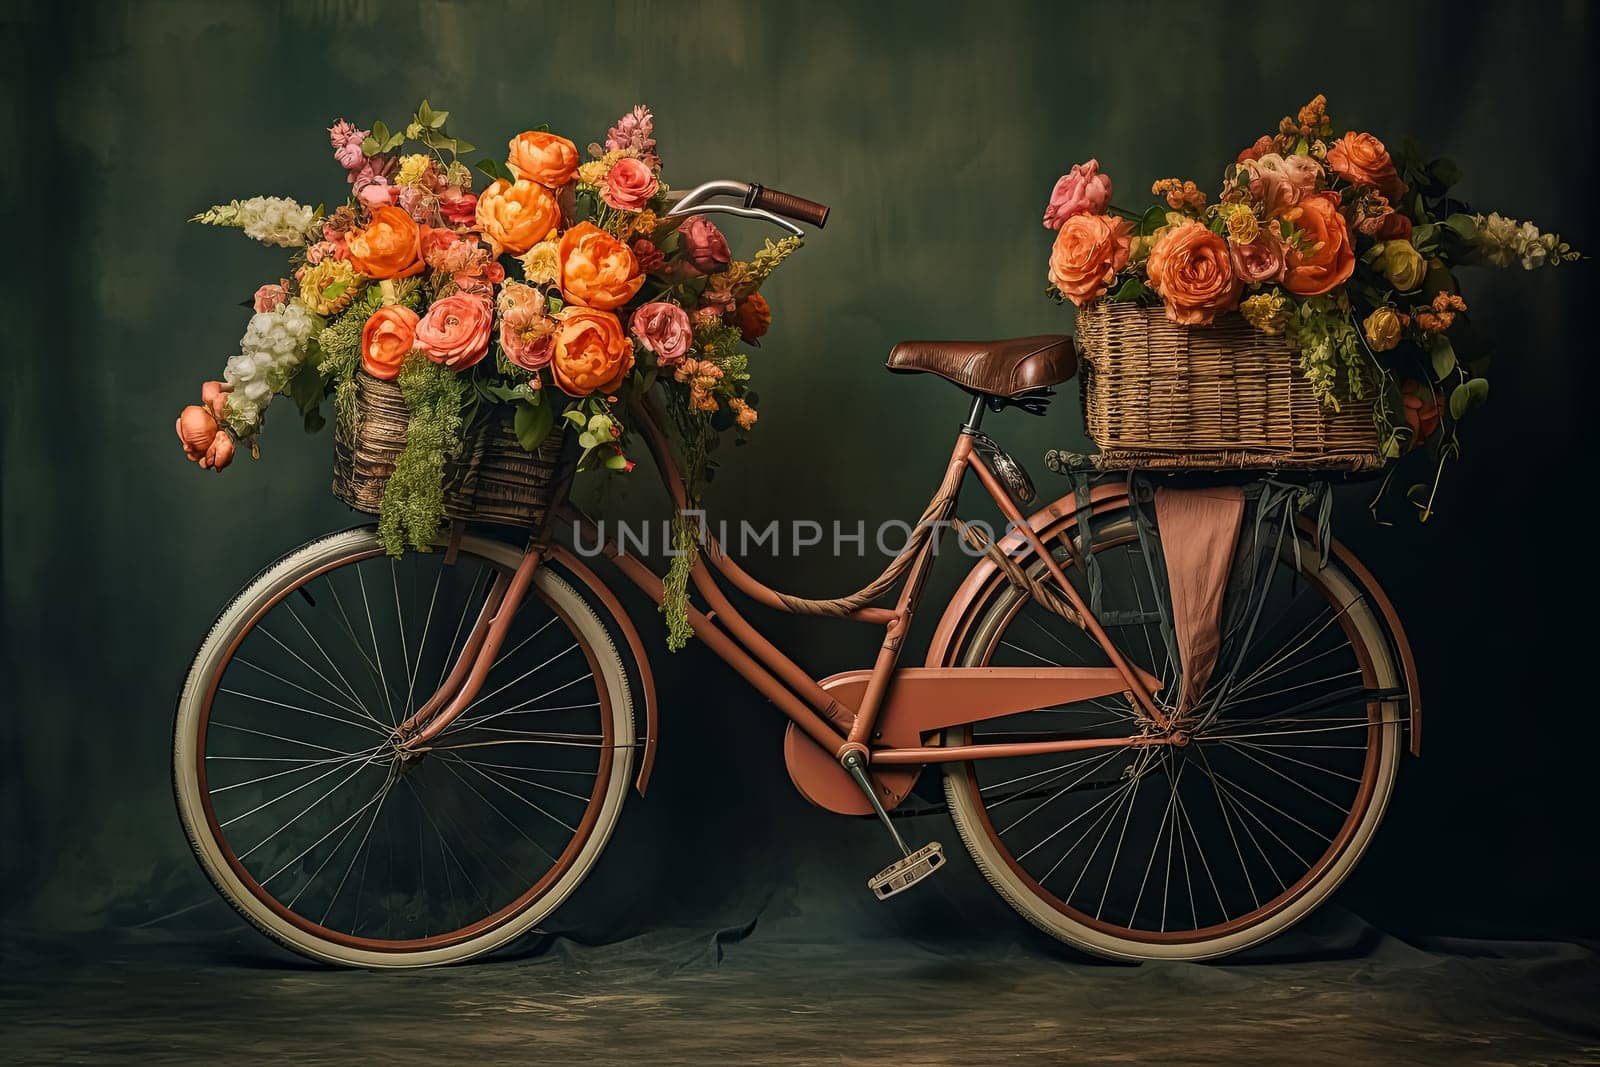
(1160, 395)
(492, 478)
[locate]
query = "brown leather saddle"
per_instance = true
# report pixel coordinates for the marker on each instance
(1021, 371)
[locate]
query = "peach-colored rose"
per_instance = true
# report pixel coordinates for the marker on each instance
(1190, 267)
(592, 354)
(1327, 258)
(214, 395)
(1089, 251)
(389, 247)
(1422, 411)
(629, 185)
(387, 339)
(455, 330)
(1361, 159)
(1257, 261)
(268, 297)
(597, 270)
(515, 216)
(542, 157)
(204, 442)
(1281, 182)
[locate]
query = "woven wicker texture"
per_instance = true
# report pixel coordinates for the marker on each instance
(1160, 395)
(492, 479)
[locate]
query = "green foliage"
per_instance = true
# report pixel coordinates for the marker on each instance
(340, 344)
(1130, 291)
(1332, 355)
(413, 499)
(533, 420)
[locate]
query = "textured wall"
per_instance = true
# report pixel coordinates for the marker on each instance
(935, 129)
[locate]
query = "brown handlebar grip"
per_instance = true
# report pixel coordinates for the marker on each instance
(789, 206)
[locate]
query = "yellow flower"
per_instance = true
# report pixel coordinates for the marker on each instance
(594, 172)
(1402, 264)
(1267, 312)
(1382, 328)
(328, 288)
(412, 169)
(1139, 248)
(541, 264)
(1243, 228)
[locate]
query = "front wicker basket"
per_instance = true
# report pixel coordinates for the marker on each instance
(492, 479)
(1158, 395)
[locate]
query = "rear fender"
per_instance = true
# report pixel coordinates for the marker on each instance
(1061, 516)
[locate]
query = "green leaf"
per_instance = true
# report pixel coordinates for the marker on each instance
(394, 142)
(424, 112)
(532, 424)
(575, 416)
(491, 168)
(462, 147)
(1463, 226)
(380, 131)
(616, 462)
(1442, 354)
(1444, 173)
(1152, 220)
(370, 147)
(587, 440)
(1468, 395)
(437, 121)
(1130, 290)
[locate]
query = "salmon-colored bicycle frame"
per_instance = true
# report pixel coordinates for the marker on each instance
(899, 704)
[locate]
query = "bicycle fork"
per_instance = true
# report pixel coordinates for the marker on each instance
(477, 656)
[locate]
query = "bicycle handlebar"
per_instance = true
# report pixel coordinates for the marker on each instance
(759, 202)
(788, 205)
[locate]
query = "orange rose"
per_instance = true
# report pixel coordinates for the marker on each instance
(1189, 266)
(592, 353)
(597, 270)
(543, 157)
(516, 216)
(1326, 259)
(389, 247)
(387, 339)
(1361, 159)
(1088, 253)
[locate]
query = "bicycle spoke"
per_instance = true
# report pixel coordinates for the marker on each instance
(359, 709)
(308, 711)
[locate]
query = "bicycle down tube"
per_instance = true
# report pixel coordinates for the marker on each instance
(835, 726)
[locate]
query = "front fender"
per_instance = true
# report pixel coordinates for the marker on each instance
(1062, 515)
(619, 617)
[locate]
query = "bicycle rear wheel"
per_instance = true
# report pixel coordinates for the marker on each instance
(300, 808)
(1199, 850)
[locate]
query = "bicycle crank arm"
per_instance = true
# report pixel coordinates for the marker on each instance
(911, 867)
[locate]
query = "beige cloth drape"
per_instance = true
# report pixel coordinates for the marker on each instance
(1199, 532)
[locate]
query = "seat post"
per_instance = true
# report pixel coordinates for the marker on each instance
(975, 416)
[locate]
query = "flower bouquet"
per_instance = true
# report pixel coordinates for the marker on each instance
(1327, 258)
(506, 315)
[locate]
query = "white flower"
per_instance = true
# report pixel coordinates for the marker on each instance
(275, 220)
(270, 351)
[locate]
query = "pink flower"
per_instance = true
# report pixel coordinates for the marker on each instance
(455, 331)
(1262, 146)
(707, 317)
(1281, 182)
(629, 185)
(1259, 261)
(321, 250)
(633, 132)
(527, 334)
(721, 300)
(704, 245)
(1082, 190)
(268, 297)
(460, 209)
(214, 395)
(346, 141)
(664, 329)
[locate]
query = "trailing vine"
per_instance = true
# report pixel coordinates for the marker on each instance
(696, 435)
(413, 501)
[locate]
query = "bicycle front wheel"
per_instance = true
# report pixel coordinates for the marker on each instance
(302, 811)
(1197, 850)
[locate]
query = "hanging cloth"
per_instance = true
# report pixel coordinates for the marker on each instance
(1199, 532)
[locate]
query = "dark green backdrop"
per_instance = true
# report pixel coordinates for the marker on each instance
(935, 130)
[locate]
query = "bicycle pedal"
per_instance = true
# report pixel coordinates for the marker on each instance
(907, 871)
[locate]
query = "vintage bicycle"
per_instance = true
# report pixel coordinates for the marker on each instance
(401, 763)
